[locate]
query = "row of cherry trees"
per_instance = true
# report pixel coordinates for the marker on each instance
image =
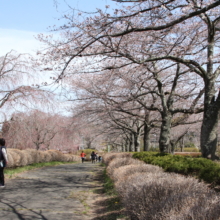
(127, 109)
(149, 65)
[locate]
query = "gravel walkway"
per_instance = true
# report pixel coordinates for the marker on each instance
(62, 192)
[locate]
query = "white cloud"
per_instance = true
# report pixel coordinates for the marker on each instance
(21, 41)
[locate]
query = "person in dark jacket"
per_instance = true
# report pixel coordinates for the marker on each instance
(93, 157)
(3, 161)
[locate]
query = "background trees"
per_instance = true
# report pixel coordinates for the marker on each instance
(41, 131)
(144, 69)
(152, 36)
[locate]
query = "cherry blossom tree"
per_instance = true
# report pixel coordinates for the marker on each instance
(41, 131)
(35, 128)
(182, 32)
(17, 75)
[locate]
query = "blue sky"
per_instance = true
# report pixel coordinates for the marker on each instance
(21, 20)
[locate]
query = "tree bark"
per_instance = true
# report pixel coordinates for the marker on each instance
(164, 142)
(123, 147)
(146, 138)
(127, 146)
(132, 146)
(208, 138)
(209, 129)
(137, 142)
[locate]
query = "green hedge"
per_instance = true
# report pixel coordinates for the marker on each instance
(202, 168)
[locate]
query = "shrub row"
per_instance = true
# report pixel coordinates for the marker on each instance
(18, 158)
(203, 169)
(149, 193)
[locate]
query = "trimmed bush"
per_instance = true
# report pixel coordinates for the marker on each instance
(202, 168)
(108, 157)
(35, 157)
(160, 196)
(124, 172)
(149, 193)
(118, 162)
(19, 158)
(11, 160)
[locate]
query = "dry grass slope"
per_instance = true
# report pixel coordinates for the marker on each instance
(18, 158)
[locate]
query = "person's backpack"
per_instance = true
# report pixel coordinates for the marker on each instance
(2, 159)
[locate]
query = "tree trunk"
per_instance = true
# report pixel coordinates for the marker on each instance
(37, 146)
(48, 146)
(137, 142)
(209, 129)
(123, 147)
(88, 144)
(208, 138)
(146, 139)
(164, 142)
(127, 146)
(132, 147)
(182, 145)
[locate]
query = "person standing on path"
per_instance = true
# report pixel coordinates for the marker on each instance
(83, 155)
(93, 157)
(3, 161)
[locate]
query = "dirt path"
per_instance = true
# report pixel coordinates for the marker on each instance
(64, 192)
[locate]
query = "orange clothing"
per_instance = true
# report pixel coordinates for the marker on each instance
(83, 154)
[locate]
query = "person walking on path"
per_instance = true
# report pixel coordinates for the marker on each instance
(83, 156)
(100, 159)
(93, 157)
(3, 161)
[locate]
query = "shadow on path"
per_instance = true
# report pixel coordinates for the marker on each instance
(50, 193)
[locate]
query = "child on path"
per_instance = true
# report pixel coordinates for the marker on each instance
(83, 155)
(100, 159)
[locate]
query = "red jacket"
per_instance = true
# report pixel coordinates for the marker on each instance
(83, 154)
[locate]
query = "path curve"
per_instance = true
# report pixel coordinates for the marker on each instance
(61, 192)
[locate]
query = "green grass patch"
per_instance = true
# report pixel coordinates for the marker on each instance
(114, 205)
(202, 168)
(12, 171)
(113, 202)
(108, 185)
